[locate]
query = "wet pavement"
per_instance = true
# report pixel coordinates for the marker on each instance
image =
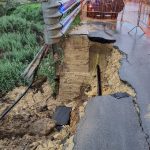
(110, 124)
(134, 71)
(135, 65)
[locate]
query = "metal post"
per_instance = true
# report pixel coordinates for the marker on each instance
(99, 85)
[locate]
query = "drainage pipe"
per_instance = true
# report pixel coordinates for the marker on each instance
(99, 84)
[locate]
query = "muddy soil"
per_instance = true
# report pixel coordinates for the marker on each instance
(111, 82)
(30, 124)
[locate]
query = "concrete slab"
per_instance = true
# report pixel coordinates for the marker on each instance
(101, 37)
(120, 95)
(110, 124)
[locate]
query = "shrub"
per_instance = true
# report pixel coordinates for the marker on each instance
(76, 21)
(25, 56)
(9, 74)
(13, 42)
(31, 12)
(2, 10)
(10, 42)
(11, 6)
(17, 24)
(48, 69)
(18, 43)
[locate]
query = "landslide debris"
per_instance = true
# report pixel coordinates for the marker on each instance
(30, 125)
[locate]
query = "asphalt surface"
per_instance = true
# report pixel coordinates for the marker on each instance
(135, 65)
(110, 124)
(135, 69)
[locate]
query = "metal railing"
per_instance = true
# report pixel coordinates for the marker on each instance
(58, 16)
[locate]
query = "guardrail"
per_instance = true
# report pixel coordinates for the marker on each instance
(58, 16)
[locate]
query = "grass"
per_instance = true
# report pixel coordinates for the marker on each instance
(21, 38)
(76, 22)
(9, 74)
(19, 42)
(18, 24)
(31, 12)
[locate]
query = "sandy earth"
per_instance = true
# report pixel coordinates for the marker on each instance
(30, 124)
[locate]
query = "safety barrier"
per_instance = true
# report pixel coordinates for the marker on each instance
(58, 16)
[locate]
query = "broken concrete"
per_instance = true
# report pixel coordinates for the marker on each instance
(72, 94)
(62, 115)
(101, 37)
(135, 69)
(110, 124)
(120, 95)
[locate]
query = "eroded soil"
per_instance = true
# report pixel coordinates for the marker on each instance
(30, 124)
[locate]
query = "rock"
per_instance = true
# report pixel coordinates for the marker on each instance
(81, 111)
(42, 127)
(62, 115)
(120, 95)
(42, 108)
(69, 144)
(46, 145)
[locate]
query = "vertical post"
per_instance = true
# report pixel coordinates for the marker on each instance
(56, 80)
(148, 20)
(52, 16)
(99, 85)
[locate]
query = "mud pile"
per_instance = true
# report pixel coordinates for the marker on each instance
(30, 124)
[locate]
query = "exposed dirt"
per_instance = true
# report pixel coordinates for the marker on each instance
(30, 125)
(111, 82)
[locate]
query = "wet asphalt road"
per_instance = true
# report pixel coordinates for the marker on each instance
(110, 124)
(135, 69)
(114, 125)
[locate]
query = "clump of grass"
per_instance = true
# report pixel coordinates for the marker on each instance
(76, 21)
(17, 24)
(9, 74)
(48, 69)
(19, 42)
(31, 12)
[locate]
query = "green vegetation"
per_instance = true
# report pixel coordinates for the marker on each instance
(76, 22)
(31, 12)
(47, 68)
(19, 41)
(21, 38)
(2, 10)
(17, 24)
